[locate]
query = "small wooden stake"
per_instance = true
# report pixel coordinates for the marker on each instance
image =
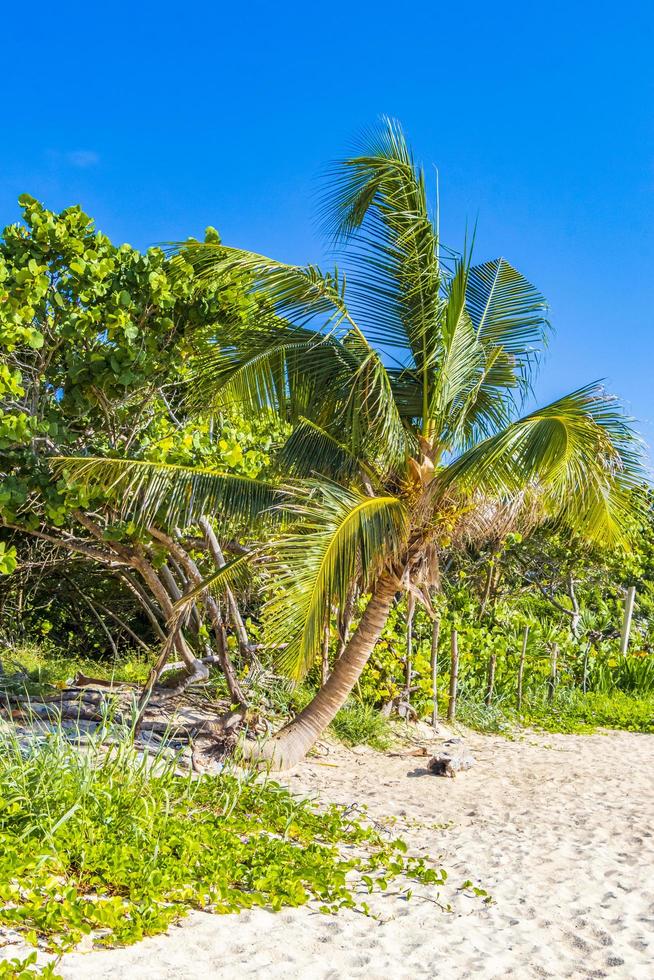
(454, 677)
(584, 680)
(551, 683)
(325, 654)
(626, 622)
(492, 664)
(410, 610)
(435, 633)
(521, 667)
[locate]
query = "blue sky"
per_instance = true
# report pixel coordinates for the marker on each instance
(161, 119)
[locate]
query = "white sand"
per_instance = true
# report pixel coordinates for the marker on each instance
(559, 829)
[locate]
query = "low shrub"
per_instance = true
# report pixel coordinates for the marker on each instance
(631, 675)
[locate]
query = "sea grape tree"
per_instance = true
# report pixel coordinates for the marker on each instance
(94, 347)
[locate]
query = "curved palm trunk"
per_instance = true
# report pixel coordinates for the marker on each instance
(291, 744)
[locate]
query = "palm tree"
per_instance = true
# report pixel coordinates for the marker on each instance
(404, 380)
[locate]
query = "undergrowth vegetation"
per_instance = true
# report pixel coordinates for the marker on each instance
(620, 695)
(571, 712)
(39, 667)
(36, 666)
(106, 843)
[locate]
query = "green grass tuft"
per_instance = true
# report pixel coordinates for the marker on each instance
(361, 724)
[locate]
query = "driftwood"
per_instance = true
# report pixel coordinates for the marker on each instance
(454, 758)
(83, 680)
(210, 728)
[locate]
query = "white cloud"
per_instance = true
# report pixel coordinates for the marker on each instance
(83, 158)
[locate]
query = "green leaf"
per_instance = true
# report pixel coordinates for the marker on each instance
(35, 339)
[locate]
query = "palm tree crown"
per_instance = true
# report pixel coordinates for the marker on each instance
(403, 379)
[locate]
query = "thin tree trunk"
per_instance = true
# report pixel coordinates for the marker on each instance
(435, 634)
(492, 665)
(165, 573)
(209, 603)
(130, 632)
(121, 558)
(72, 544)
(158, 590)
(521, 667)
(237, 620)
(137, 560)
(576, 614)
(454, 677)
(176, 588)
(141, 595)
(487, 590)
(291, 744)
(96, 615)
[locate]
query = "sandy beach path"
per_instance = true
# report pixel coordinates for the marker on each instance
(558, 829)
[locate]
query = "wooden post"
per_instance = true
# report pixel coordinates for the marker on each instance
(584, 679)
(551, 684)
(325, 654)
(492, 664)
(410, 610)
(521, 666)
(626, 622)
(435, 633)
(454, 677)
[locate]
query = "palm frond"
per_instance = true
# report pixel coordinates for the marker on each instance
(370, 416)
(407, 391)
(174, 495)
(297, 293)
(507, 312)
(341, 386)
(461, 359)
(494, 330)
(376, 203)
(311, 450)
(484, 401)
(579, 452)
(343, 535)
(274, 368)
(234, 574)
(291, 370)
